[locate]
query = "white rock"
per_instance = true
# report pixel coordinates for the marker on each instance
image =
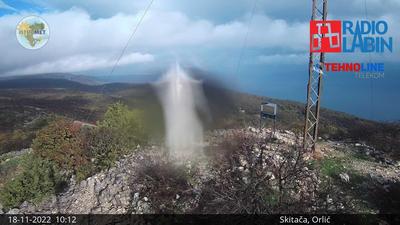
(328, 199)
(177, 197)
(278, 158)
(288, 132)
(13, 211)
(136, 196)
(357, 144)
(243, 162)
(344, 177)
(270, 175)
(146, 199)
(252, 129)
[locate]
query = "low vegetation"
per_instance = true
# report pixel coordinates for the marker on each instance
(166, 183)
(333, 125)
(21, 137)
(61, 143)
(69, 148)
(331, 167)
(125, 124)
(38, 178)
(104, 147)
(253, 177)
(62, 149)
(14, 141)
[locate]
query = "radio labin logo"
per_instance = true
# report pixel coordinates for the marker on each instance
(336, 36)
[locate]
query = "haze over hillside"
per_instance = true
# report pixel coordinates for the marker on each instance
(70, 95)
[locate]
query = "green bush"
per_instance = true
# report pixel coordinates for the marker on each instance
(38, 179)
(85, 171)
(104, 147)
(87, 150)
(8, 168)
(62, 143)
(126, 125)
(331, 167)
(120, 131)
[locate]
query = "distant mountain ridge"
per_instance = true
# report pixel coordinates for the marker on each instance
(61, 81)
(82, 79)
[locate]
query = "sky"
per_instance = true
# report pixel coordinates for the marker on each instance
(257, 46)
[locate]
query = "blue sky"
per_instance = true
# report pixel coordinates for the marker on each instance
(87, 36)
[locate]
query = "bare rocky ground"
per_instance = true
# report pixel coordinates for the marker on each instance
(264, 173)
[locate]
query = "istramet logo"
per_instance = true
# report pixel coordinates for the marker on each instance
(325, 36)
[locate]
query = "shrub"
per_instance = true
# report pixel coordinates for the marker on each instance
(104, 147)
(9, 166)
(120, 131)
(163, 180)
(60, 142)
(252, 174)
(40, 122)
(14, 141)
(331, 167)
(85, 171)
(125, 124)
(38, 179)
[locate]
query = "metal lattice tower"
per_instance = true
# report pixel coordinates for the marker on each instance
(316, 71)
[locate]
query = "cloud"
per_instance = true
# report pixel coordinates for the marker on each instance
(75, 35)
(283, 59)
(96, 8)
(81, 63)
(223, 11)
(166, 34)
(74, 38)
(3, 5)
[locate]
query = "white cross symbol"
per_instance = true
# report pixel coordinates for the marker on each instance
(329, 35)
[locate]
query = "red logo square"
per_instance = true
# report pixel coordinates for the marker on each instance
(325, 36)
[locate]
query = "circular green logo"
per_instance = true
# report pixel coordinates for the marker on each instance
(32, 32)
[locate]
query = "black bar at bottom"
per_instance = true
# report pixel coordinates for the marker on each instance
(186, 219)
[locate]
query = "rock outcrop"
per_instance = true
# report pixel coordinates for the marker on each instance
(120, 189)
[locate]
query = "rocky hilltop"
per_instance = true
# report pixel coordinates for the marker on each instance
(277, 175)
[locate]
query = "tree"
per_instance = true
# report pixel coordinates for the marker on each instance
(126, 125)
(60, 142)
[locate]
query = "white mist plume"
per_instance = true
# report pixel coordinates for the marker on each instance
(181, 98)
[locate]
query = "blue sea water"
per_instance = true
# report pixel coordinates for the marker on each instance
(375, 99)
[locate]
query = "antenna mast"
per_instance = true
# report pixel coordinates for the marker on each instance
(316, 71)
